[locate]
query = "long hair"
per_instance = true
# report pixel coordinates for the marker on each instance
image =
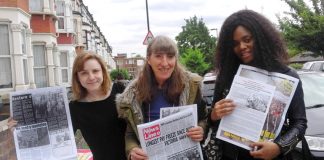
(269, 50)
(147, 85)
(78, 90)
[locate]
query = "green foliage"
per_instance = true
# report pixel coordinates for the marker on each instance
(193, 60)
(195, 35)
(293, 51)
(303, 26)
(123, 72)
(296, 65)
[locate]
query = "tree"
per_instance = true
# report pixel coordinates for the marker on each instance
(193, 60)
(121, 73)
(195, 35)
(303, 27)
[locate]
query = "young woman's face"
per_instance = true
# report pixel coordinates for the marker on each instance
(243, 44)
(91, 76)
(162, 65)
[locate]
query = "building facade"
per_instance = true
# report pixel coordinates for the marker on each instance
(15, 58)
(39, 40)
(132, 64)
(15, 42)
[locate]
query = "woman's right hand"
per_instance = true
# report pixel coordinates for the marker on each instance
(222, 108)
(138, 154)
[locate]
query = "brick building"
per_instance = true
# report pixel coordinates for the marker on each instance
(132, 64)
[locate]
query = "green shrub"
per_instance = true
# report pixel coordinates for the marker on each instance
(296, 65)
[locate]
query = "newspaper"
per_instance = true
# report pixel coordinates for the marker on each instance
(166, 111)
(166, 139)
(248, 119)
(44, 130)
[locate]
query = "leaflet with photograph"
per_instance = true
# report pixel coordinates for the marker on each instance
(44, 130)
(166, 111)
(285, 90)
(252, 99)
(285, 87)
(166, 139)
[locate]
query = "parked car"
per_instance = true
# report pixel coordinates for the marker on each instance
(314, 66)
(208, 85)
(313, 87)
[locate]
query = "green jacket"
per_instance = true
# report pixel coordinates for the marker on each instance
(131, 110)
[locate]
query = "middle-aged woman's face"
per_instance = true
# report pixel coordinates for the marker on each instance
(162, 65)
(91, 76)
(243, 44)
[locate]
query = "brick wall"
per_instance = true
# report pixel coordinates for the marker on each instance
(64, 38)
(23, 4)
(43, 24)
(7, 146)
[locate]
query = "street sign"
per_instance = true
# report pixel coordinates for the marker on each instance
(148, 38)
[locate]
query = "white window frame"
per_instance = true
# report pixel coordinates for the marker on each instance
(7, 56)
(61, 15)
(60, 8)
(41, 67)
(75, 25)
(120, 62)
(25, 65)
(64, 67)
(23, 41)
(24, 54)
(36, 5)
(61, 23)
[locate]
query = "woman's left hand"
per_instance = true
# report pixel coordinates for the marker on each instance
(266, 150)
(196, 133)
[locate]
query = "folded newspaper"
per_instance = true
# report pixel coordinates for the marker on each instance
(44, 130)
(262, 100)
(166, 139)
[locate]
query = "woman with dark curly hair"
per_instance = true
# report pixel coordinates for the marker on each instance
(249, 38)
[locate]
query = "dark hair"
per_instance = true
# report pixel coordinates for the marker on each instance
(146, 84)
(269, 50)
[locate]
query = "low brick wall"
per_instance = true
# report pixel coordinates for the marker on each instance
(7, 146)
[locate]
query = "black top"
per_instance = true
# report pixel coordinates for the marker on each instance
(101, 128)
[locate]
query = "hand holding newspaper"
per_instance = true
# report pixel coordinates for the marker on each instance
(262, 100)
(44, 130)
(166, 139)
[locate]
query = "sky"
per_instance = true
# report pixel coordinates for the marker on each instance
(124, 24)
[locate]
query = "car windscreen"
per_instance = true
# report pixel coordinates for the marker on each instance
(313, 87)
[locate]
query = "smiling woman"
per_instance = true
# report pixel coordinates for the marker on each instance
(93, 109)
(161, 83)
(247, 37)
